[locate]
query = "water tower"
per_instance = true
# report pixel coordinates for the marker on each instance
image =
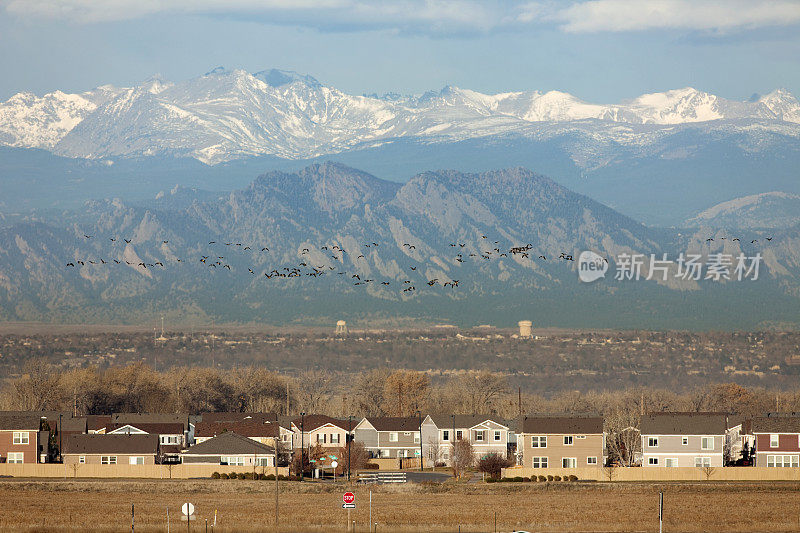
(341, 327)
(525, 329)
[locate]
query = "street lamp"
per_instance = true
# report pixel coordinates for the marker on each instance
(453, 441)
(421, 458)
(302, 446)
(348, 438)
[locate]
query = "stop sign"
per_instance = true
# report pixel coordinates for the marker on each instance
(349, 497)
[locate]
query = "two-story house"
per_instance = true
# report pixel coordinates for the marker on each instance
(21, 440)
(230, 448)
(389, 436)
(561, 441)
(684, 439)
(777, 440)
(486, 433)
(319, 430)
(264, 432)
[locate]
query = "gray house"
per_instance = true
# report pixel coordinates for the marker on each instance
(486, 433)
(389, 437)
(684, 439)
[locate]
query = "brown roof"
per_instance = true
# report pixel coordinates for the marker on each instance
(683, 424)
(394, 423)
(20, 421)
(111, 444)
(96, 422)
(155, 428)
(238, 417)
(776, 424)
(150, 418)
(229, 443)
(561, 424)
(312, 422)
(247, 428)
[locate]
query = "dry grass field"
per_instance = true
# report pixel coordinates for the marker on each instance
(249, 506)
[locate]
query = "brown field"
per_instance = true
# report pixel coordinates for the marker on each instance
(249, 506)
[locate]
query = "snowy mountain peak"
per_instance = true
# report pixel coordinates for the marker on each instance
(228, 114)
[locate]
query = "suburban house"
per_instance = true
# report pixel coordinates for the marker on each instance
(231, 449)
(440, 433)
(319, 430)
(185, 436)
(171, 436)
(97, 424)
(21, 440)
(777, 440)
(119, 449)
(684, 439)
(565, 441)
(263, 432)
(389, 437)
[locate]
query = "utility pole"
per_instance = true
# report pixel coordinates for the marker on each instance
(276, 482)
(421, 458)
(400, 399)
(519, 400)
(287, 397)
(348, 438)
(302, 445)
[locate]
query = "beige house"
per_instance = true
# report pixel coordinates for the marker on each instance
(561, 441)
(389, 436)
(319, 430)
(127, 449)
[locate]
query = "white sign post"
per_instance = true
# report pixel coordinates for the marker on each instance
(334, 464)
(349, 500)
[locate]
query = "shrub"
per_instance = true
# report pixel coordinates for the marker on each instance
(573, 477)
(233, 475)
(241, 475)
(549, 478)
(215, 475)
(493, 463)
(371, 466)
(526, 479)
(492, 480)
(270, 477)
(542, 479)
(248, 475)
(224, 476)
(517, 479)
(556, 478)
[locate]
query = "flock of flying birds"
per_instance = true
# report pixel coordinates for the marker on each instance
(306, 269)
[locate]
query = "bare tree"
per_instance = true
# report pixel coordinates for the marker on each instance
(314, 388)
(405, 392)
(368, 391)
(463, 457)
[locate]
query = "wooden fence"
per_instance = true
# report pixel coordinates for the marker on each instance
(180, 471)
(751, 473)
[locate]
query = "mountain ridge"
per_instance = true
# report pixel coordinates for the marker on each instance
(230, 114)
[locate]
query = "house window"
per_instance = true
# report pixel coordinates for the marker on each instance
(567, 440)
(459, 434)
(685, 441)
(779, 461)
(701, 462)
(334, 438)
(591, 461)
(138, 460)
(82, 459)
(15, 457)
(321, 438)
(232, 461)
(262, 461)
(773, 441)
(671, 462)
(569, 462)
(393, 437)
(416, 437)
(579, 437)
(170, 439)
(652, 461)
(384, 453)
(652, 442)
(108, 459)
(479, 436)
(539, 462)
(496, 435)
(707, 443)
(539, 441)
(21, 437)
(446, 434)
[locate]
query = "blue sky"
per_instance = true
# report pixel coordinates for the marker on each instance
(599, 50)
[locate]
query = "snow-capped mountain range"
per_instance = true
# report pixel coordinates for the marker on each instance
(232, 114)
